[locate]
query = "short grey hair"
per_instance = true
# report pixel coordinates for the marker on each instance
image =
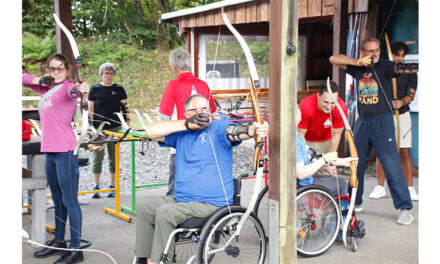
(193, 97)
(365, 41)
(180, 59)
(107, 66)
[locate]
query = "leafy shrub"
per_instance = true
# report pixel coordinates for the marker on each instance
(36, 49)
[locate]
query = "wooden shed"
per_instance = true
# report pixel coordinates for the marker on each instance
(251, 18)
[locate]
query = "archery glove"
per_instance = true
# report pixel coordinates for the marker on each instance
(46, 80)
(199, 119)
(367, 60)
(330, 157)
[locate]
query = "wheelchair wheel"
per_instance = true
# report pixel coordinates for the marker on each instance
(218, 243)
(184, 249)
(318, 220)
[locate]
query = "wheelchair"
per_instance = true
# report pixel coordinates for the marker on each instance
(213, 239)
(319, 220)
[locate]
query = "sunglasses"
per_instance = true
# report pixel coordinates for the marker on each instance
(59, 69)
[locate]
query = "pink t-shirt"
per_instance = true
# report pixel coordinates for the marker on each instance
(319, 124)
(55, 116)
(178, 90)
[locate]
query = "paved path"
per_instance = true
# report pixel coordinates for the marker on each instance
(385, 243)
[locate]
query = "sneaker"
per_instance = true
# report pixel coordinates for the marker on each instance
(95, 195)
(378, 192)
(46, 252)
(358, 208)
(413, 193)
(111, 193)
(405, 217)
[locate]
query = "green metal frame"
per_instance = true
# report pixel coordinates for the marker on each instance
(132, 210)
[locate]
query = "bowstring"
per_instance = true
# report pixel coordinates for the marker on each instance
(386, 21)
(336, 173)
(383, 91)
(215, 63)
(209, 133)
(219, 172)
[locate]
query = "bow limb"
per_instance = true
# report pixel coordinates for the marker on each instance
(254, 83)
(353, 167)
(78, 64)
(396, 111)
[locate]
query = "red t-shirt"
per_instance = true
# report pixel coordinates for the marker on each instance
(318, 123)
(178, 90)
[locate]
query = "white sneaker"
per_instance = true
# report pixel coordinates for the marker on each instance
(413, 193)
(405, 217)
(358, 208)
(378, 192)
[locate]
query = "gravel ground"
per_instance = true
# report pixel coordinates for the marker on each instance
(153, 167)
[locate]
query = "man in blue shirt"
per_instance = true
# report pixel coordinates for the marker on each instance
(204, 180)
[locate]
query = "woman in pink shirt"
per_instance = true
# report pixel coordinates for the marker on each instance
(56, 108)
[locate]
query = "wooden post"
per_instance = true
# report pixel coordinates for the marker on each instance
(340, 27)
(282, 97)
(63, 8)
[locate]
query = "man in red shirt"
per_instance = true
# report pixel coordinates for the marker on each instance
(185, 85)
(175, 94)
(320, 119)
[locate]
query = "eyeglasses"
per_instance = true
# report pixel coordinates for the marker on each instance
(59, 69)
(205, 109)
(109, 73)
(372, 51)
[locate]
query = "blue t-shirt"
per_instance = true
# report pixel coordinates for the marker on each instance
(197, 175)
(302, 155)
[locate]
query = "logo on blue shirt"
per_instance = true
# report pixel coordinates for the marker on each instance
(202, 136)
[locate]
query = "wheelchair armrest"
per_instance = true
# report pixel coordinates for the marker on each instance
(237, 188)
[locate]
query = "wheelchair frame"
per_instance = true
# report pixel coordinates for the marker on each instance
(308, 225)
(319, 211)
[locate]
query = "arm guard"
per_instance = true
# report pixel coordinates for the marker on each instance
(233, 132)
(125, 111)
(406, 68)
(74, 92)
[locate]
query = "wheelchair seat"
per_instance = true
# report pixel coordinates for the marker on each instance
(198, 222)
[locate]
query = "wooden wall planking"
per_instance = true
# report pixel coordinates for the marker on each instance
(302, 5)
(258, 11)
(314, 8)
(251, 12)
(328, 7)
(218, 17)
(200, 20)
(263, 10)
(240, 14)
(210, 18)
(361, 6)
(230, 13)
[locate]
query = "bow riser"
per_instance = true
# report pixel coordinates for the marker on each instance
(396, 111)
(353, 168)
(353, 154)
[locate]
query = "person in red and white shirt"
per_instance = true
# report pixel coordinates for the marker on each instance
(176, 92)
(320, 119)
